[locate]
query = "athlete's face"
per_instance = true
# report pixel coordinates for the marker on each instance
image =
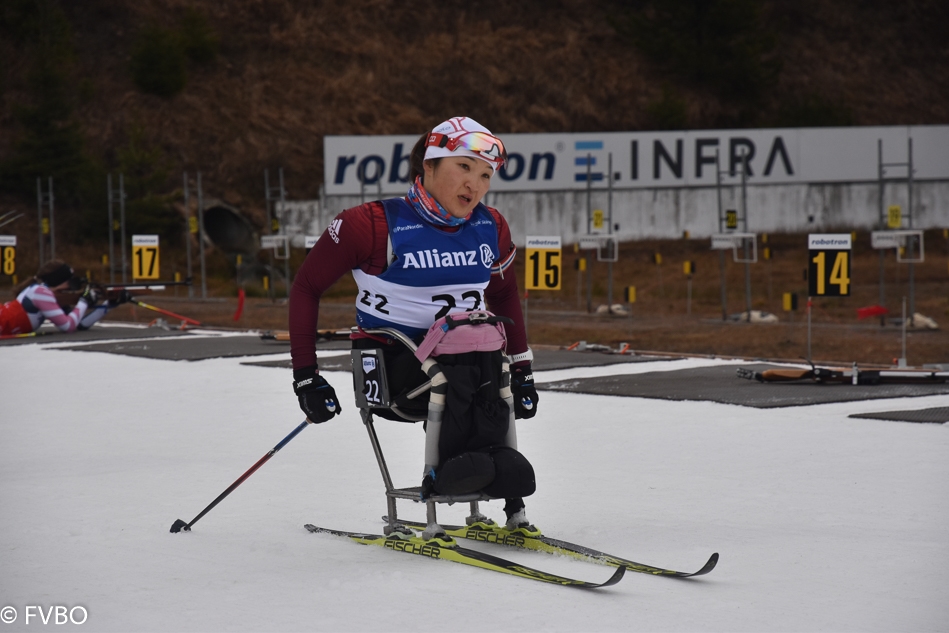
(458, 183)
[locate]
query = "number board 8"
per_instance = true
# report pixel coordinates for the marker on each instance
(8, 255)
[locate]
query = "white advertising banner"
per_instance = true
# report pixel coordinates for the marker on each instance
(355, 165)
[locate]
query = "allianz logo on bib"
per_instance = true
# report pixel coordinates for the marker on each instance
(449, 259)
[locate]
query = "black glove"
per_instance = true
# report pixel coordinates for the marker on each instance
(525, 395)
(317, 399)
(91, 296)
(123, 296)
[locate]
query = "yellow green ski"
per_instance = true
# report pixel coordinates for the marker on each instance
(447, 548)
(531, 538)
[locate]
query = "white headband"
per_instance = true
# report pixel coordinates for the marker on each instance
(454, 128)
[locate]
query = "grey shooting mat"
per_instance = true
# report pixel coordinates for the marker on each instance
(548, 359)
(936, 415)
(95, 333)
(194, 347)
(721, 384)
(543, 359)
(338, 362)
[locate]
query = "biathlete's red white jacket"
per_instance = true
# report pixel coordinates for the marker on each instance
(409, 272)
(36, 304)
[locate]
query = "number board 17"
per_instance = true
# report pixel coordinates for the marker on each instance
(145, 261)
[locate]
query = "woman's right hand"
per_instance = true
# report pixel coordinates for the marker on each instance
(317, 398)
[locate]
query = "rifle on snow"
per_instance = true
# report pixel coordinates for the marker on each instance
(840, 375)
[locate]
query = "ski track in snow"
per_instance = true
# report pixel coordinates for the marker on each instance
(823, 522)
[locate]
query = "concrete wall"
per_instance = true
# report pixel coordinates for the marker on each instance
(667, 213)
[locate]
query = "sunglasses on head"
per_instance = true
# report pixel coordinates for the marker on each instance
(487, 145)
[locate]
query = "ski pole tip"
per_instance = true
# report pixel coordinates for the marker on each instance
(179, 525)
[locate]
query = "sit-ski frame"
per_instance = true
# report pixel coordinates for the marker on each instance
(371, 390)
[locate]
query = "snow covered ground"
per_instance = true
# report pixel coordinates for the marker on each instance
(824, 523)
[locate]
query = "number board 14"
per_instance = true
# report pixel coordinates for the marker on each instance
(828, 270)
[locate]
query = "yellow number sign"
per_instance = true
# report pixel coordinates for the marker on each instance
(8, 255)
(828, 273)
(598, 219)
(543, 263)
(145, 262)
(731, 219)
(894, 216)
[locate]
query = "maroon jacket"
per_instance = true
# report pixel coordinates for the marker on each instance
(357, 238)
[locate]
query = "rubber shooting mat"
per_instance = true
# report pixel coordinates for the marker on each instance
(197, 347)
(544, 359)
(936, 415)
(721, 384)
(95, 333)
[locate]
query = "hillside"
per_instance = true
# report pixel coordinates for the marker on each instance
(265, 80)
(157, 87)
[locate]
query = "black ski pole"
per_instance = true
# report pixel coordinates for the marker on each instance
(179, 525)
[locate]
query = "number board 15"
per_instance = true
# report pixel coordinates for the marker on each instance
(543, 268)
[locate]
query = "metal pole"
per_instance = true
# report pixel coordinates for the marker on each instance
(882, 225)
(902, 361)
(589, 232)
(188, 233)
(909, 243)
(52, 222)
(718, 192)
(744, 219)
(122, 221)
(579, 278)
(283, 231)
(204, 276)
(39, 218)
(609, 231)
(808, 329)
(688, 303)
(270, 231)
(111, 232)
(721, 254)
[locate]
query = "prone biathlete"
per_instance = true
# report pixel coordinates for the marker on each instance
(36, 302)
